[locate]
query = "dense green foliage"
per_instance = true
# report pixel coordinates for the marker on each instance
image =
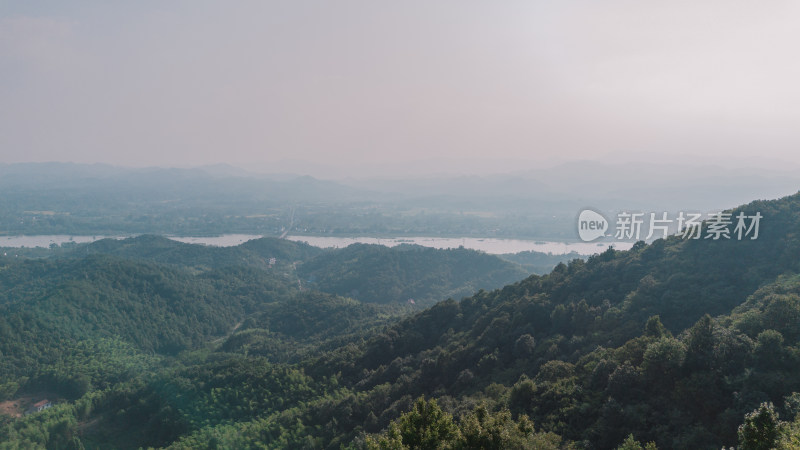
(374, 273)
(426, 426)
(677, 344)
(313, 322)
(369, 273)
(254, 253)
(538, 262)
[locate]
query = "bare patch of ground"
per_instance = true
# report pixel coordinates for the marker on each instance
(17, 407)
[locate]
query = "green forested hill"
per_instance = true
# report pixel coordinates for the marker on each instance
(682, 343)
(378, 274)
(254, 253)
(369, 273)
(55, 304)
(583, 352)
(105, 334)
(538, 262)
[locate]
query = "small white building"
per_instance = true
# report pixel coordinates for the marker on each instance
(40, 406)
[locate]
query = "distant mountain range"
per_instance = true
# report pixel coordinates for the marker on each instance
(56, 198)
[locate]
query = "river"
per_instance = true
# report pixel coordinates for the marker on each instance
(488, 245)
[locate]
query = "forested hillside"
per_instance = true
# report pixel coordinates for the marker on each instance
(369, 273)
(254, 253)
(378, 274)
(538, 262)
(682, 343)
(623, 343)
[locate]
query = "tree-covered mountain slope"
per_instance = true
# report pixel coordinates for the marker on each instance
(538, 262)
(379, 274)
(582, 353)
(254, 253)
(369, 273)
(55, 304)
(683, 343)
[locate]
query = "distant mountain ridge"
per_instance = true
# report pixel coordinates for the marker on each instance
(424, 275)
(369, 273)
(253, 253)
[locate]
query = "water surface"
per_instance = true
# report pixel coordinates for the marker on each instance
(488, 245)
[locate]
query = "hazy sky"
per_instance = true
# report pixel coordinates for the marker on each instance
(252, 83)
